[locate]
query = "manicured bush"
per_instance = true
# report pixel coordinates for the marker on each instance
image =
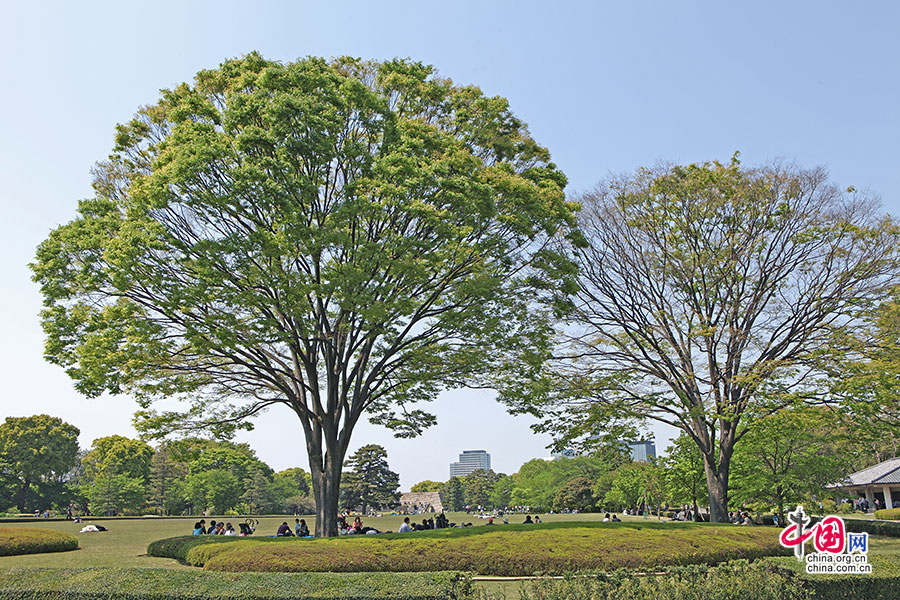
(885, 528)
(502, 550)
(32, 540)
(888, 514)
(732, 581)
(882, 584)
(172, 584)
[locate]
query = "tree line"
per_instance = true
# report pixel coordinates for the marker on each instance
(794, 458)
(42, 468)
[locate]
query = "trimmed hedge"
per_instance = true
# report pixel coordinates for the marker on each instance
(888, 514)
(513, 550)
(28, 540)
(885, 528)
(882, 584)
(171, 584)
(731, 581)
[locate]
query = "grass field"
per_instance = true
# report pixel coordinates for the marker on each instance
(125, 544)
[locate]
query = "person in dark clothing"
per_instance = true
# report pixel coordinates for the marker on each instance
(284, 531)
(527, 520)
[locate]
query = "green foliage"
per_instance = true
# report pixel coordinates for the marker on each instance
(537, 482)
(888, 514)
(297, 481)
(342, 238)
(169, 584)
(479, 486)
(426, 486)
(883, 583)
(709, 295)
(683, 473)
(24, 540)
(789, 456)
(165, 490)
(216, 491)
(116, 473)
(575, 494)
(737, 580)
(370, 482)
(34, 451)
(885, 528)
(257, 493)
(636, 484)
(499, 550)
(453, 494)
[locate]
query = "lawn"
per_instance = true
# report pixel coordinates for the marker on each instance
(125, 544)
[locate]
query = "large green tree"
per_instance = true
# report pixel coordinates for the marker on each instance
(336, 238)
(370, 481)
(708, 292)
(116, 474)
(792, 455)
(34, 450)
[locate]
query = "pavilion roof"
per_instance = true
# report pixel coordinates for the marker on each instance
(882, 473)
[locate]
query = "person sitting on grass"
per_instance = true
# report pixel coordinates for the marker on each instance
(284, 531)
(537, 519)
(616, 519)
(606, 518)
(211, 530)
(202, 526)
(527, 520)
(198, 528)
(229, 530)
(404, 527)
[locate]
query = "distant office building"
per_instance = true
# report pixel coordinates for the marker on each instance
(642, 451)
(470, 460)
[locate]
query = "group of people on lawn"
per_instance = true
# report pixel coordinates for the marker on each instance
(300, 529)
(220, 528)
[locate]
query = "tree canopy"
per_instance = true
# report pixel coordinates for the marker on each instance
(708, 294)
(33, 450)
(339, 238)
(370, 483)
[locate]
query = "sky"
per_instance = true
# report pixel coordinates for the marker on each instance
(607, 86)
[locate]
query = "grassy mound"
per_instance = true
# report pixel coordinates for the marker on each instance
(503, 550)
(168, 584)
(888, 514)
(25, 540)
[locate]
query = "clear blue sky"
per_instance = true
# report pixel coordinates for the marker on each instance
(607, 86)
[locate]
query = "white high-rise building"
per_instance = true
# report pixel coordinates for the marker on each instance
(470, 460)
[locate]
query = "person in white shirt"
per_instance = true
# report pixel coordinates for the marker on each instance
(405, 526)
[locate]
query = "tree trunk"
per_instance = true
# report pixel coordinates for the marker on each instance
(326, 479)
(23, 496)
(717, 484)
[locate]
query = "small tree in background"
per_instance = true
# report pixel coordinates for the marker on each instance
(453, 494)
(426, 486)
(370, 482)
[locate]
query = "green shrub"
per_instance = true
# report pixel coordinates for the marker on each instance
(882, 584)
(509, 550)
(171, 584)
(888, 514)
(731, 581)
(885, 528)
(28, 540)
